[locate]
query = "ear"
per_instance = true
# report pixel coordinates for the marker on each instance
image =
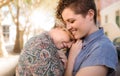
(90, 14)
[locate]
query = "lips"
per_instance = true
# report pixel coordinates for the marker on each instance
(73, 31)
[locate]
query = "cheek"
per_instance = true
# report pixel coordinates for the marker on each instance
(76, 24)
(65, 39)
(81, 32)
(57, 41)
(79, 25)
(82, 26)
(58, 45)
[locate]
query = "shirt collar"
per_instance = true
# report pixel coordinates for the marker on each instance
(93, 36)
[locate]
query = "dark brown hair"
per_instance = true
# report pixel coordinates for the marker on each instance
(79, 6)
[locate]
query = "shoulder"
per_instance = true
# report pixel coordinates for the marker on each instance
(93, 71)
(36, 40)
(104, 48)
(103, 54)
(104, 44)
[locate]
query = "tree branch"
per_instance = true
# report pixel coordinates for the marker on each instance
(13, 17)
(3, 3)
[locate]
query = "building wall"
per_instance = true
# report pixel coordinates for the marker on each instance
(107, 3)
(98, 6)
(108, 20)
(12, 34)
(9, 34)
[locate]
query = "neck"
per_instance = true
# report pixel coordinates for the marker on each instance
(51, 34)
(93, 29)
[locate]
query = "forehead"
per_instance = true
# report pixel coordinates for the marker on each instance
(62, 33)
(68, 13)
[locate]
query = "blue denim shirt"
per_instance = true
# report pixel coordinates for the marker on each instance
(97, 50)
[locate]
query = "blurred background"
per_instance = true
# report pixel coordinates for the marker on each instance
(22, 19)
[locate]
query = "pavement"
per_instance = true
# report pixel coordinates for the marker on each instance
(7, 65)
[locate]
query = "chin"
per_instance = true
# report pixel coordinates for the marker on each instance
(78, 37)
(59, 48)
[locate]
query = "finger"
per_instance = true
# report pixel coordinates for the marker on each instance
(79, 40)
(78, 43)
(63, 57)
(61, 54)
(64, 60)
(60, 51)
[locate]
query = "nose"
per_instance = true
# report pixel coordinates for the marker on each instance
(69, 44)
(65, 44)
(68, 26)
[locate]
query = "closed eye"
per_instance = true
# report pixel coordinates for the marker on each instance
(71, 21)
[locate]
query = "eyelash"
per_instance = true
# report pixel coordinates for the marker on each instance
(72, 21)
(67, 22)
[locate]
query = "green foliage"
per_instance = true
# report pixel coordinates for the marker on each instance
(29, 2)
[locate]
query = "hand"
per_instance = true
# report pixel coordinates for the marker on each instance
(76, 48)
(63, 57)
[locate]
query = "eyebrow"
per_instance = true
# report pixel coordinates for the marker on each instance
(72, 19)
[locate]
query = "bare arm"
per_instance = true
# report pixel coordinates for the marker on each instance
(93, 71)
(87, 71)
(74, 51)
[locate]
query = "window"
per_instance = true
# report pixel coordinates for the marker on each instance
(6, 33)
(118, 18)
(106, 19)
(106, 33)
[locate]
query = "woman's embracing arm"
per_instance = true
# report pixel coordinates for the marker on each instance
(93, 71)
(74, 51)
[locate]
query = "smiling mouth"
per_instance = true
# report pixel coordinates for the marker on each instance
(73, 31)
(63, 45)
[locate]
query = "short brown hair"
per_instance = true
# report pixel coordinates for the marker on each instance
(79, 6)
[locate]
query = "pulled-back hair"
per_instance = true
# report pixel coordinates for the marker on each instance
(78, 6)
(60, 25)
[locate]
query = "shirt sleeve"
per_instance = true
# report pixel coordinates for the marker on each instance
(102, 55)
(40, 59)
